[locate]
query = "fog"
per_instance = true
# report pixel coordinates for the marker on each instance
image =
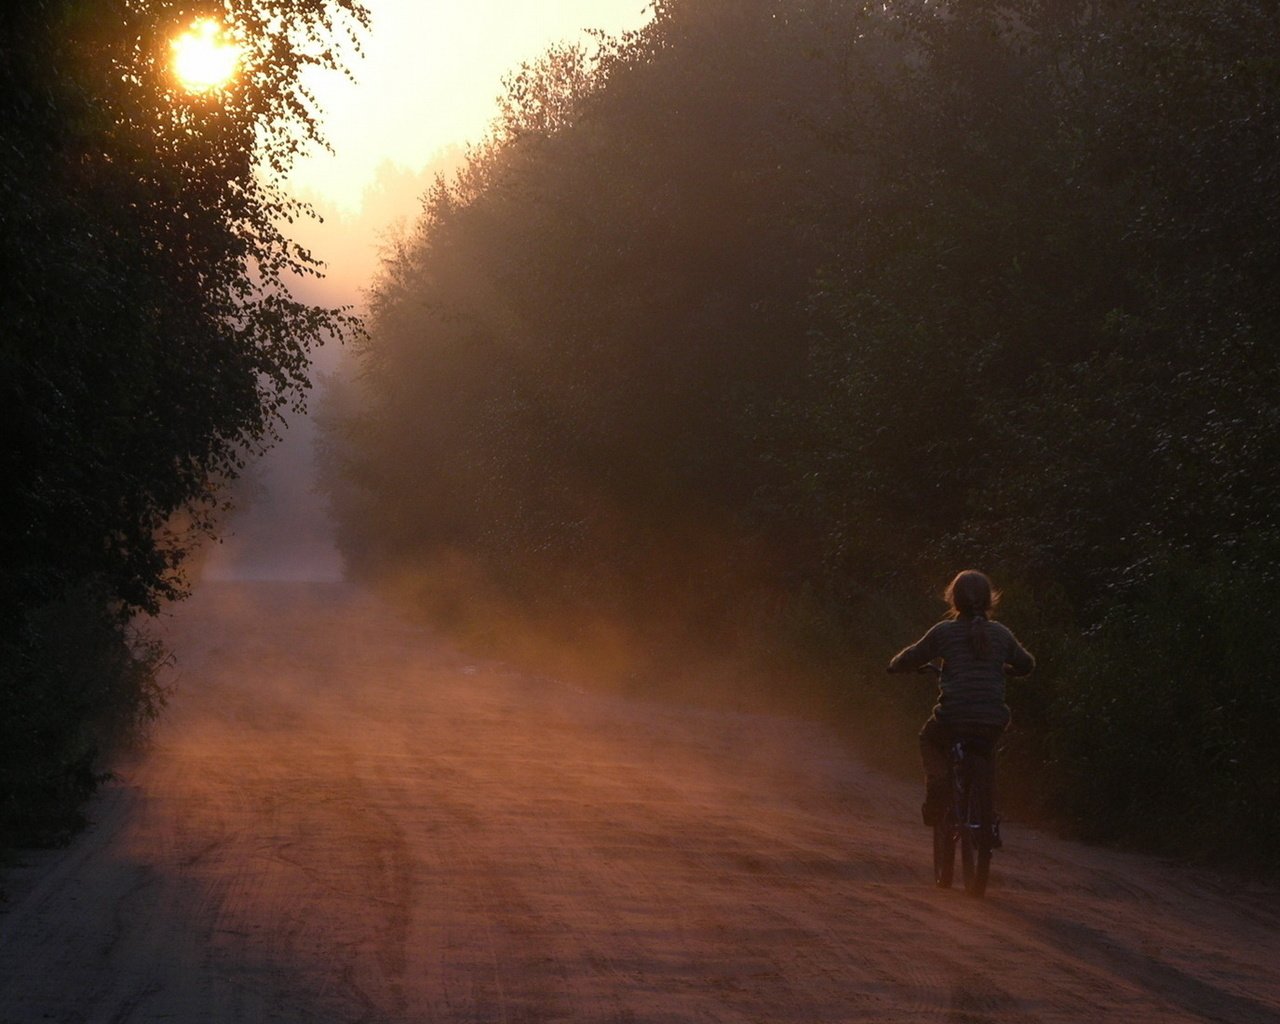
(279, 526)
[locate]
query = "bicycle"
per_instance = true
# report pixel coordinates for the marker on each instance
(969, 821)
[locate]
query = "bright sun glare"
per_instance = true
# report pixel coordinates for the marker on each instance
(203, 57)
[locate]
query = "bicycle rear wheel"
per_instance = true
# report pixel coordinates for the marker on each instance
(975, 829)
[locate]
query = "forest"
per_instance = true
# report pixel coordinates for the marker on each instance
(740, 334)
(150, 345)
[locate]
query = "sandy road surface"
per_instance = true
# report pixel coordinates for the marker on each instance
(344, 821)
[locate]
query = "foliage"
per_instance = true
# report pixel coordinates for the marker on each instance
(150, 338)
(1175, 669)
(753, 326)
(79, 690)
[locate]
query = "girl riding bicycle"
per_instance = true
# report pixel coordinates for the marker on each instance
(976, 652)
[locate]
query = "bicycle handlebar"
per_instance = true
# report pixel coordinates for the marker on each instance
(929, 668)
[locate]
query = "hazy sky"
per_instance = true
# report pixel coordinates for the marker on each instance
(430, 76)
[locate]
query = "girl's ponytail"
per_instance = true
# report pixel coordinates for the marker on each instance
(978, 641)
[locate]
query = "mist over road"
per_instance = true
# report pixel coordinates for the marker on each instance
(343, 819)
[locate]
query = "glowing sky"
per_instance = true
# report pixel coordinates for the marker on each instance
(429, 78)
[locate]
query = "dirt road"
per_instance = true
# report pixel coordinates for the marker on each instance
(345, 821)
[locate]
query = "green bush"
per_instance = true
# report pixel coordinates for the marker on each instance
(76, 686)
(1166, 717)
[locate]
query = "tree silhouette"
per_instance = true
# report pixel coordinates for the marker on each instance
(150, 337)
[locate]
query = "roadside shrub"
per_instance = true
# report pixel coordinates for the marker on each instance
(76, 686)
(1166, 716)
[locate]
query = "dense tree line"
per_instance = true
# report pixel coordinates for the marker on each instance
(149, 343)
(751, 327)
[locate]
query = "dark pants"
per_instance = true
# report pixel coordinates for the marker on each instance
(936, 738)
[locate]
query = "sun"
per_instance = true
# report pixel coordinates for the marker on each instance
(204, 58)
